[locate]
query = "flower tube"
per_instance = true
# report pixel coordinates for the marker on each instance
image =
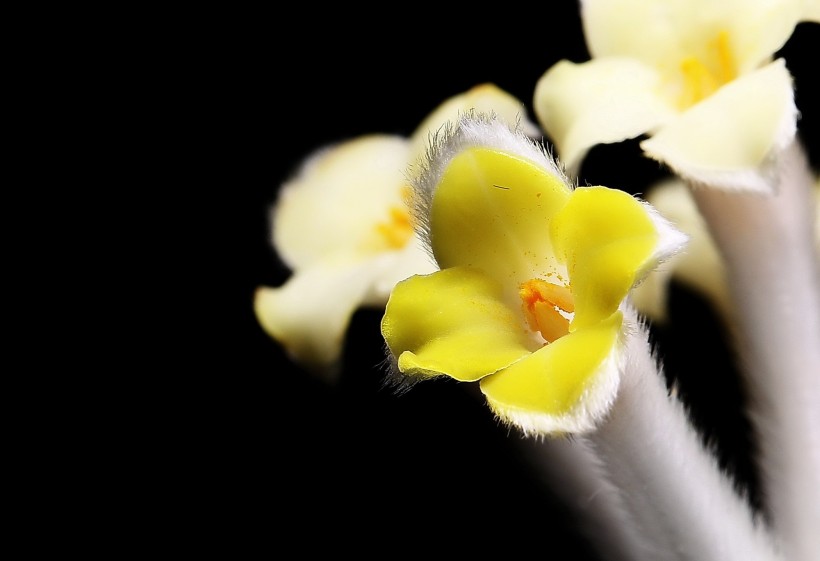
(769, 247)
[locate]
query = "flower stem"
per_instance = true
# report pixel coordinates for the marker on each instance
(773, 272)
(570, 468)
(686, 507)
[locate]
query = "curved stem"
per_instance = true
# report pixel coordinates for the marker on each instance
(570, 468)
(685, 507)
(773, 271)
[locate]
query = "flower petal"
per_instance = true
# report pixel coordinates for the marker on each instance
(609, 240)
(395, 266)
(565, 387)
(601, 101)
(761, 27)
(662, 33)
(638, 29)
(811, 11)
(730, 140)
(491, 210)
(484, 98)
(338, 200)
(309, 314)
(453, 322)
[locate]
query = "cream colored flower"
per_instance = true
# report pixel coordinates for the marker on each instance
(342, 225)
(697, 76)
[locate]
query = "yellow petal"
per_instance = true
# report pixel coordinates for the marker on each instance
(567, 386)
(729, 139)
(491, 211)
(484, 98)
(452, 322)
(341, 200)
(601, 101)
(607, 238)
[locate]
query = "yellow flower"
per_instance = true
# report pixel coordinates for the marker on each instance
(533, 274)
(342, 225)
(697, 76)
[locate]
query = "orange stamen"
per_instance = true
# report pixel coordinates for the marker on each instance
(543, 303)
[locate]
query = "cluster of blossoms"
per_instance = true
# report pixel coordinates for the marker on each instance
(345, 260)
(494, 267)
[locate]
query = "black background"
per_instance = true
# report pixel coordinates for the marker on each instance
(284, 459)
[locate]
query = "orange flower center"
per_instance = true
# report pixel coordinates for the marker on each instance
(547, 307)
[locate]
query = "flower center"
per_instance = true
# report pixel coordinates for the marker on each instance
(548, 307)
(703, 76)
(398, 228)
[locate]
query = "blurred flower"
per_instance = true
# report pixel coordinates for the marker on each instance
(484, 98)
(533, 275)
(699, 267)
(697, 76)
(342, 225)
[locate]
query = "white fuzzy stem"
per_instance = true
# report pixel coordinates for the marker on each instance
(570, 469)
(773, 272)
(683, 504)
(574, 473)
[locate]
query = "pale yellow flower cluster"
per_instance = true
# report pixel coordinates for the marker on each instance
(494, 267)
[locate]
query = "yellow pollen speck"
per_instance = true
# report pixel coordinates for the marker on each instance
(543, 303)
